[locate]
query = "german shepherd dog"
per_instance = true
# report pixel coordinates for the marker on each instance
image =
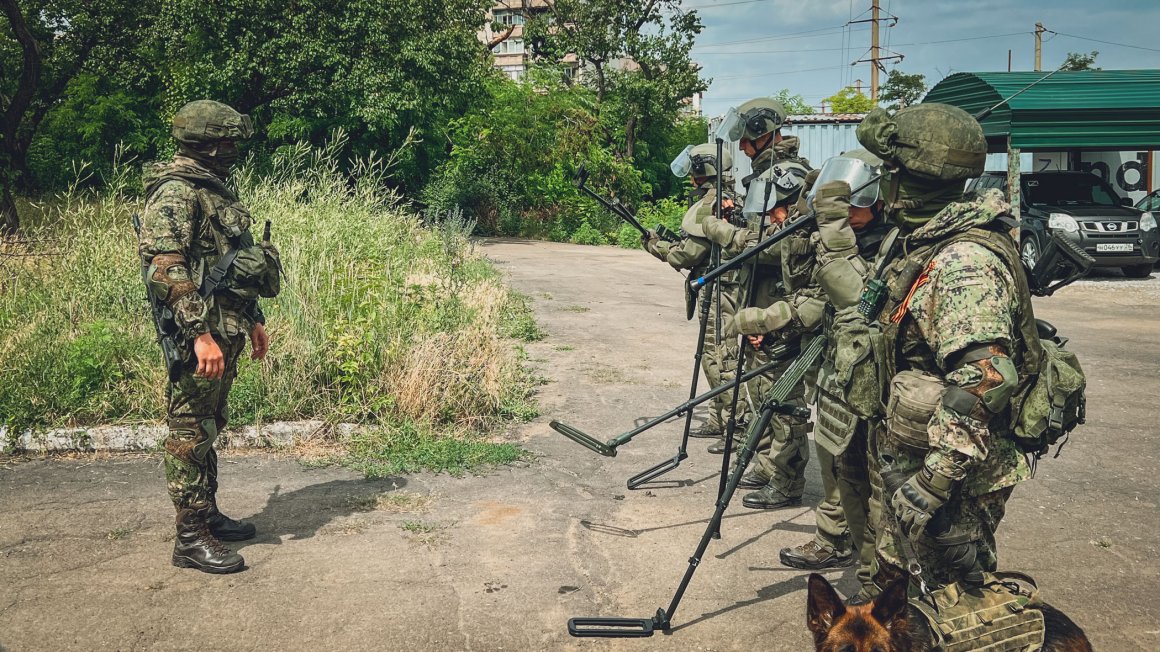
(890, 624)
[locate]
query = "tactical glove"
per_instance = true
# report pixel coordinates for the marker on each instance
(917, 500)
(759, 321)
(832, 212)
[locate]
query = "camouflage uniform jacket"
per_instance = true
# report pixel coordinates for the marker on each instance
(966, 296)
(190, 219)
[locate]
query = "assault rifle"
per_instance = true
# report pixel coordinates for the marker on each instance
(1061, 261)
(164, 323)
(619, 210)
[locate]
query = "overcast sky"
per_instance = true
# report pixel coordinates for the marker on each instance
(755, 47)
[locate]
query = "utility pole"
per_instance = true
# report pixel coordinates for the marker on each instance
(876, 57)
(1039, 30)
(874, 51)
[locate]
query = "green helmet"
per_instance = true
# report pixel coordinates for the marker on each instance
(752, 120)
(929, 150)
(207, 121)
(936, 142)
(701, 161)
(779, 185)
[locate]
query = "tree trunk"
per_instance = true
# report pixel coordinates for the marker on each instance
(630, 137)
(9, 220)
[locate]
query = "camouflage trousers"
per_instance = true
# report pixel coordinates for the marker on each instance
(784, 448)
(719, 361)
(197, 413)
(977, 517)
(860, 492)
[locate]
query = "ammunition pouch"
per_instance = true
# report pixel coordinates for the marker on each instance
(857, 362)
(913, 399)
(1001, 615)
(256, 272)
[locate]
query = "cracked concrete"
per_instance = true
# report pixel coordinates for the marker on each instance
(84, 542)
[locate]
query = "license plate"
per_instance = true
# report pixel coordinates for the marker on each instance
(1109, 247)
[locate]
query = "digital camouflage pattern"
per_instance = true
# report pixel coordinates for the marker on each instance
(189, 220)
(966, 297)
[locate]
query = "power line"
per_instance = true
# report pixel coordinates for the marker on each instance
(950, 40)
(780, 72)
(1096, 40)
(724, 4)
(789, 36)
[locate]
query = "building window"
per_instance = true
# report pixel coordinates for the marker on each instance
(511, 46)
(509, 17)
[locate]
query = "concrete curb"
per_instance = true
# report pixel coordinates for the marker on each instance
(146, 437)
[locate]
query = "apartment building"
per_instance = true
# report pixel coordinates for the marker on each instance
(511, 53)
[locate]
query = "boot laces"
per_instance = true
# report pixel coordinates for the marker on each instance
(210, 540)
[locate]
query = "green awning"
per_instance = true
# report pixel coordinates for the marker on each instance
(1087, 109)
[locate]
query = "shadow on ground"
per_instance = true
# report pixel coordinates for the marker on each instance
(301, 513)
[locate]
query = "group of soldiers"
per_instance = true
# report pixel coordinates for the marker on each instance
(913, 429)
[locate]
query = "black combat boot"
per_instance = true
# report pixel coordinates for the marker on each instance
(707, 430)
(769, 497)
(752, 480)
(196, 547)
(815, 556)
(226, 528)
(222, 526)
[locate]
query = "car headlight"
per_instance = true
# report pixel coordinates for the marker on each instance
(1147, 222)
(1063, 222)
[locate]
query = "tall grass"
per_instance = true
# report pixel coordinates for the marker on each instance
(382, 319)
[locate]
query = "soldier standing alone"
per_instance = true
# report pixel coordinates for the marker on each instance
(200, 261)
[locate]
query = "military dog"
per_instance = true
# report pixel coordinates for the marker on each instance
(890, 624)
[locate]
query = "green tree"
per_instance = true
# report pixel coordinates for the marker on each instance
(849, 100)
(1081, 61)
(637, 52)
(903, 89)
(794, 102)
(50, 44)
(374, 69)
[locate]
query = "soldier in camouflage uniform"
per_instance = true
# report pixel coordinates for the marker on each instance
(846, 239)
(951, 349)
(779, 467)
(694, 252)
(191, 222)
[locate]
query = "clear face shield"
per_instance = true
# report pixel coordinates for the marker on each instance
(771, 190)
(732, 127)
(682, 166)
(854, 172)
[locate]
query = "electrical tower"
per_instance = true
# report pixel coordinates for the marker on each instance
(875, 59)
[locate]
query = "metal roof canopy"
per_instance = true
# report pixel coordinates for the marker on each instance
(1086, 109)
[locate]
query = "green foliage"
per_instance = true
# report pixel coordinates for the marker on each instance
(794, 102)
(409, 448)
(903, 89)
(1081, 61)
(849, 100)
(666, 211)
(381, 320)
(588, 235)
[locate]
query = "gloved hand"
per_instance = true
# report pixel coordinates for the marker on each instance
(832, 211)
(645, 238)
(916, 501)
(759, 321)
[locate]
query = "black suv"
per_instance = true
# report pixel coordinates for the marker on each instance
(1084, 208)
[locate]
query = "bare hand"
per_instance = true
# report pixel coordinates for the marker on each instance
(755, 340)
(259, 342)
(211, 363)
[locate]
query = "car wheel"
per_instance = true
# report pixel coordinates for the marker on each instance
(1029, 250)
(1138, 271)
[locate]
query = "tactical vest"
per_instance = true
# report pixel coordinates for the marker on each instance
(901, 277)
(252, 270)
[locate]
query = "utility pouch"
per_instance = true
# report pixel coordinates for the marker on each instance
(1054, 402)
(256, 270)
(999, 616)
(914, 397)
(857, 362)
